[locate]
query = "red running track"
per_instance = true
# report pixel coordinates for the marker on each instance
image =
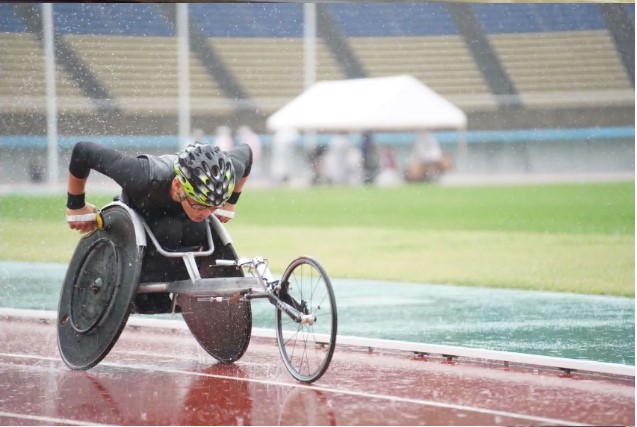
(162, 377)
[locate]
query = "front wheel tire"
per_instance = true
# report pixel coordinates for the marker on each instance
(307, 347)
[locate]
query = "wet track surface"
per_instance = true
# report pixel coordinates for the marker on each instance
(544, 323)
(158, 375)
(162, 377)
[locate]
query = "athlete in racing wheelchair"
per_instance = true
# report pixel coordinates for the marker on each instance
(173, 193)
(179, 202)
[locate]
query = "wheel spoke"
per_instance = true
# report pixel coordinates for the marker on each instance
(305, 356)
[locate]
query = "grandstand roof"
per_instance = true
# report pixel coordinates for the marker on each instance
(396, 103)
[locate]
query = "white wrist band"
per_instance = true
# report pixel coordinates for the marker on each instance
(224, 213)
(81, 218)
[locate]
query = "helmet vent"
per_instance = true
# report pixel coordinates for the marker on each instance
(206, 173)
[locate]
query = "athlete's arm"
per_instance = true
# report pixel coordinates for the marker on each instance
(241, 157)
(127, 171)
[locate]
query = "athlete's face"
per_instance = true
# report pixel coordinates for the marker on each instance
(195, 211)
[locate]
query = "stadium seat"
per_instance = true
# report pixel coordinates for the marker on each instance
(555, 54)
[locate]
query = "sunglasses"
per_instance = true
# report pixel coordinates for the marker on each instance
(197, 206)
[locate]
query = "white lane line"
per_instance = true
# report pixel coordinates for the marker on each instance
(423, 402)
(48, 420)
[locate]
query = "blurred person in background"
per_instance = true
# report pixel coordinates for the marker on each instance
(316, 157)
(282, 155)
(36, 168)
(369, 152)
(427, 162)
(388, 176)
(337, 159)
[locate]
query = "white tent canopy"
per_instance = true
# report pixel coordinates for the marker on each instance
(397, 103)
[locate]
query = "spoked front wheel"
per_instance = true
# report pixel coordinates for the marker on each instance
(307, 342)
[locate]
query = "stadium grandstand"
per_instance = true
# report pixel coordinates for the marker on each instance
(498, 62)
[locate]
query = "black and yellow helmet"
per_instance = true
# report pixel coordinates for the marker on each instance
(206, 174)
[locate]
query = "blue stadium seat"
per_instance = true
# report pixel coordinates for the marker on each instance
(286, 19)
(111, 19)
(9, 21)
(248, 19)
(393, 19)
(531, 18)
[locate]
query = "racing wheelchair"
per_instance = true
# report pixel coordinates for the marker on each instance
(115, 272)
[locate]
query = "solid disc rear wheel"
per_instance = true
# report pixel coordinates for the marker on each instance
(223, 329)
(307, 347)
(98, 290)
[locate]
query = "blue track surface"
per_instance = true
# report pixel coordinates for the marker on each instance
(551, 324)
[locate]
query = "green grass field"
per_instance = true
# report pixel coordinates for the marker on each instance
(569, 238)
